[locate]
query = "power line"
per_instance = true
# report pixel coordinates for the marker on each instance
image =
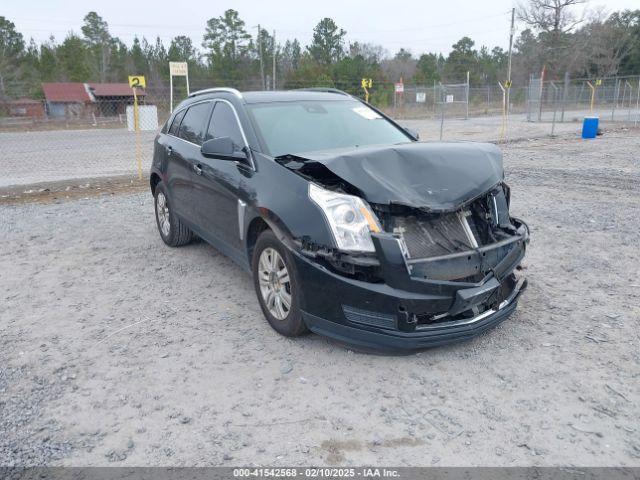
(198, 26)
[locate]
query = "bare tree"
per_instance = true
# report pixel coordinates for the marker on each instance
(554, 22)
(608, 39)
(550, 16)
(402, 65)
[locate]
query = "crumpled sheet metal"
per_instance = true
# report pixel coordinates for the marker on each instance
(433, 176)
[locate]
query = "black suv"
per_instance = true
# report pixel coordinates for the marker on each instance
(350, 226)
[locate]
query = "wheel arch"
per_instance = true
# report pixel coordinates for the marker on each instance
(255, 228)
(154, 180)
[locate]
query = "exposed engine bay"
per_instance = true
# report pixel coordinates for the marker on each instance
(483, 222)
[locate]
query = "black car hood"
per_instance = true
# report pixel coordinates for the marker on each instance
(433, 176)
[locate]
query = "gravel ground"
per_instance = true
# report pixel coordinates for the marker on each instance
(117, 350)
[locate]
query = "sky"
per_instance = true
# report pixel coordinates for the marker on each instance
(417, 25)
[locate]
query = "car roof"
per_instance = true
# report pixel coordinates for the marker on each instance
(268, 96)
(293, 96)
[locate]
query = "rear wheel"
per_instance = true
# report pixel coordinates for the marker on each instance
(172, 231)
(276, 285)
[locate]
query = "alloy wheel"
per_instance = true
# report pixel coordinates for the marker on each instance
(162, 211)
(275, 284)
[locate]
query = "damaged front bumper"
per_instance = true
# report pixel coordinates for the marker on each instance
(408, 310)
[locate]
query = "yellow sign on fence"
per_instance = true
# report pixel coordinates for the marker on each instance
(366, 84)
(137, 81)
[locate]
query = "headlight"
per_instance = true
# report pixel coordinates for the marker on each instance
(350, 218)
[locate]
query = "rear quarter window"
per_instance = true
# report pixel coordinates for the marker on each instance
(193, 124)
(175, 124)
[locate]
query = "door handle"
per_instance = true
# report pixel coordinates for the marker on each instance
(169, 150)
(197, 169)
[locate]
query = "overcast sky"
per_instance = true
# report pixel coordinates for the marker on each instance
(419, 25)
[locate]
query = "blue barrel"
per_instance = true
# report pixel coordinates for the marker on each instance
(590, 127)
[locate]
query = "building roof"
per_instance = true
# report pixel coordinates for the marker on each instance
(86, 92)
(66, 92)
(113, 90)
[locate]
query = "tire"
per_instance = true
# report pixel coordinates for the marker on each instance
(269, 258)
(174, 233)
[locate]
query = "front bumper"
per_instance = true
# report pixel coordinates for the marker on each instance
(409, 311)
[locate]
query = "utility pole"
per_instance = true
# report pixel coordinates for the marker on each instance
(274, 60)
(511, 32)
(260, 52)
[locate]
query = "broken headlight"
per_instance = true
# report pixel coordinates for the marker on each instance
(350, 218)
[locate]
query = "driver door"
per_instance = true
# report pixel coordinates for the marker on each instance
(217, 181)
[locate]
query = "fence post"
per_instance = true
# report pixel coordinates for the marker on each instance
(541, 91)
(529, 98)
(565, 90)
(504, 112)
(616, 92)
(637, 104)
(435, 100)
(593, 96)
(467, 115)
(555, 107)
(486, 110)
(627, 84)
(442, 93)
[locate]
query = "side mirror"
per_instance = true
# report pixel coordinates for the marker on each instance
(411, 132)
(223, 148)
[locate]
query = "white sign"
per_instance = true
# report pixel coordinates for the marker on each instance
(178, 69)
(147, 117)
(399, 87)
(449, 99)
(421, 97)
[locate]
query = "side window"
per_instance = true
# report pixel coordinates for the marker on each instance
(194, 122)
(224, 124)
(175, 125)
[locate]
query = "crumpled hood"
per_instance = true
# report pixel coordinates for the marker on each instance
(434, 176)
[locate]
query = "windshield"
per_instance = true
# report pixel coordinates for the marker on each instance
(296, 127)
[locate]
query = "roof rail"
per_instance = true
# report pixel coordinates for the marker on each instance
(216, 89)
(324, 89)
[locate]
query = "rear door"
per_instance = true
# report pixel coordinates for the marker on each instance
(217, 186)
(185, 154)
(177, 170)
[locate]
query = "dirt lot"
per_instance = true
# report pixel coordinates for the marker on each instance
(116, 350)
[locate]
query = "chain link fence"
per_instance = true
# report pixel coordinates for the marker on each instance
(612, 99)
(49, 141)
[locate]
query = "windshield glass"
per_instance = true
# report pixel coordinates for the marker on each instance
(296, 127)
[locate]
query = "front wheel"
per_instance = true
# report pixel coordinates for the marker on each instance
(172, 231)
(276, 285)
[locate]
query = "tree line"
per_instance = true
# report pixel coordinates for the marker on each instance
(554, 38)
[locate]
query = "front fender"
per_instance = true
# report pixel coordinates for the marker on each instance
(280, 197)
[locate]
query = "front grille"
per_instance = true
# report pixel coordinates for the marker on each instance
(431, 237)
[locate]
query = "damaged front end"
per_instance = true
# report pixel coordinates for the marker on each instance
(478, 247)
(443, 267)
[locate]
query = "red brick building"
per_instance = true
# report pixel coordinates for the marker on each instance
(25, 107)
